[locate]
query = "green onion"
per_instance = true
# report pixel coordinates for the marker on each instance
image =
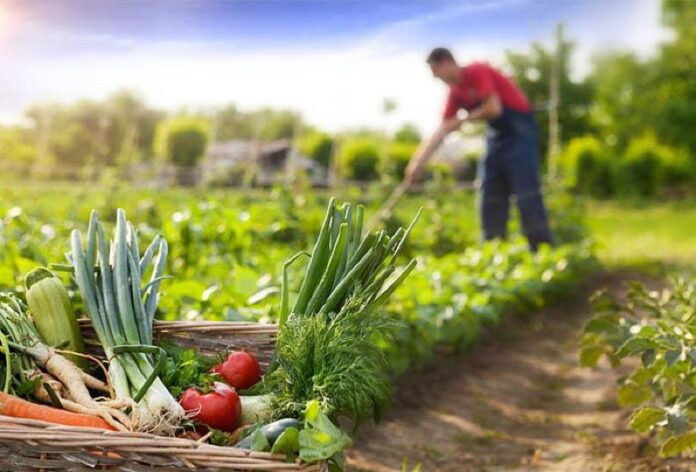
(122, 313)
(328, 345)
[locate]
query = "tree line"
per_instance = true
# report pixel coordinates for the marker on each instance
(622, 100)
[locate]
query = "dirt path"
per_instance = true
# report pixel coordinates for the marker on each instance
(518, 401)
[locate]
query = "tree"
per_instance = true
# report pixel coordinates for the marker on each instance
(675, 91)
(318, 147)
(408, 134)
(17, 148)
(231, 123)
(359, 158)
(183, 140)
(657, 95)
(531, 71)
(266, 124)
(622, 96)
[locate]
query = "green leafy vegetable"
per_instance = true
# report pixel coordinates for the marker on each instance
(320, 439)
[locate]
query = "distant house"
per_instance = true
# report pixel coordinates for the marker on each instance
(256, 162)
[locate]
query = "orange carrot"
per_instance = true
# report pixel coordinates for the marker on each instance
(19, 408)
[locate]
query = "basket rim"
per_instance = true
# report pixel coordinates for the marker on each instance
(33, 431)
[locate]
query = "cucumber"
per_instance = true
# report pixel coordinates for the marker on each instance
(271, 431)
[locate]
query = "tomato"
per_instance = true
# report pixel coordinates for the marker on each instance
(221, 408)
(240, 369)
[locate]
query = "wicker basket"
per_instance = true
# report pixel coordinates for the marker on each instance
(27, 445)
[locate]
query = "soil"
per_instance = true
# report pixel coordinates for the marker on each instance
(518, 401)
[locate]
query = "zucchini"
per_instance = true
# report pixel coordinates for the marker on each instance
(53, 314)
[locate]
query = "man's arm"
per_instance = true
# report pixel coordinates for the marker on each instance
(490, 108)
(427, 149)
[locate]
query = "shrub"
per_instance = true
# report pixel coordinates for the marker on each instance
(182, 140)
(407, 134)
(318, 147)
(586, 166)
(397, 158)
(640, 171)
(359, 159)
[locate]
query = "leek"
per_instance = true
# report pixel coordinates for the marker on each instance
(122, 311)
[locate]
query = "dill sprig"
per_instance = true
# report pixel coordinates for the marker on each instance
(328, 345)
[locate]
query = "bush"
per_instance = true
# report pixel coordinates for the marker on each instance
(408, 134)
(586, 165)
(318, 147)
(359, 159)
(397, 158)
(640, 171)
(17, 149)
(182, 140)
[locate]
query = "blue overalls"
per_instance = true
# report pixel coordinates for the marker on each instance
(511, 167)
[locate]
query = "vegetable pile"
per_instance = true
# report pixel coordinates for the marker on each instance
(656, 328)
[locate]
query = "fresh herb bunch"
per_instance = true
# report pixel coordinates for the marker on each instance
(184, 368)
(658, 328)
(328, 344)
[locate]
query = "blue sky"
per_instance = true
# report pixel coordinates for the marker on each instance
(333, 60)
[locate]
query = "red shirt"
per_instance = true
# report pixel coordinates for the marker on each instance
(476, 82)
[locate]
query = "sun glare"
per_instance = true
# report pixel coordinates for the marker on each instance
(3, 18)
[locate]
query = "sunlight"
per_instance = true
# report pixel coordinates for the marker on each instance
(4, 18)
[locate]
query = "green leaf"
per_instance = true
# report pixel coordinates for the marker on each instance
(259, 441)
(320, 439)
(644, 419)
(635, 345)
(677, 420)
(589, 356)
(679, 444)
(288, 443)
(602, 324)
(631, 393)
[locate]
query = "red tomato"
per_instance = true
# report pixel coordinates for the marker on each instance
(219, 409)
(240, 369)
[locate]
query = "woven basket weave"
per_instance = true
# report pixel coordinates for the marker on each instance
(28, 445)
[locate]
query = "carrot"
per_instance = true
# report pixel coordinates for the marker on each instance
(19, 408)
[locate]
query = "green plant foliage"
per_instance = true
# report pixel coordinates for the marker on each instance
(640, 170)
(656, 328)
(396, 158)
(318, 147)
(359, 159)
(182, 140)
(586, 165)
(407, 134)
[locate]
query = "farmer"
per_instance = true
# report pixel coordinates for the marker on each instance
(510, 166)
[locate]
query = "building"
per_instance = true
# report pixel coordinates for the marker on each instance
(262, 163)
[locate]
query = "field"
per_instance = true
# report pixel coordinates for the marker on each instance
(227, 248)
(644, 234)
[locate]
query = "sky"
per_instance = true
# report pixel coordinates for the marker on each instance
(334, 61)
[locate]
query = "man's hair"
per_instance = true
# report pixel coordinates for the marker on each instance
(439, 55)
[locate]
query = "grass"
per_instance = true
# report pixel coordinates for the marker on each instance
(648, 235)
